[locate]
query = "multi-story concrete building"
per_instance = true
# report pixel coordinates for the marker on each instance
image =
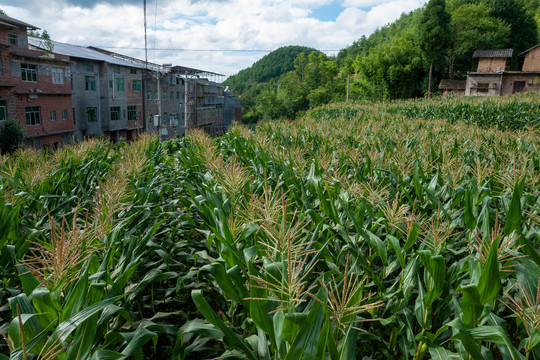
(107, 92)
(185, 93)
(35, 87)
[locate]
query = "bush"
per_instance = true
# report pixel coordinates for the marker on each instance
(11, 135)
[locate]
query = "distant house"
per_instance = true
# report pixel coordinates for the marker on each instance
(454, 87)
(492, 78)
(35, 87)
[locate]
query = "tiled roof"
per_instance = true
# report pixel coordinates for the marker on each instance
(499, 53)
(449, 84)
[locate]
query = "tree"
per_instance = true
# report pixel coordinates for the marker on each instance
(434, 33)
(11, 135)
(524, 32)
(474, 29)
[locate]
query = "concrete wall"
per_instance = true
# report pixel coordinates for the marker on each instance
(84, 99)
(483, 84)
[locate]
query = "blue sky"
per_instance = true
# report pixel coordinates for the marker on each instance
(197, 33)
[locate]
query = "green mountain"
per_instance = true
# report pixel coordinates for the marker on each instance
(391, 63)
(268, 68)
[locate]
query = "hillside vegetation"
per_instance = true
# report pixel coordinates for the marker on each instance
(376, 230)
(389, 64)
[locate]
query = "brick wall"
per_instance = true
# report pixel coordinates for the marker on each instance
(50, 101)
(532, 60)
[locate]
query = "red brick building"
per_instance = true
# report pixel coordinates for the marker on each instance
(35, 87)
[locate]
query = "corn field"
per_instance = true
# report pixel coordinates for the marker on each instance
(368, 231)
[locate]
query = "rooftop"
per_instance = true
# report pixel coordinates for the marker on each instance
(80, 52)
(450, 84)
(499, 53)
(10, 22)
(528, 50)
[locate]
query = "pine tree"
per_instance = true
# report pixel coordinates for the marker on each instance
(434, 33)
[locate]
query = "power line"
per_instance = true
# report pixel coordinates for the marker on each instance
(206, 50)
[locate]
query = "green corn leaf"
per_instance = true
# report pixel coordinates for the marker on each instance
(513, 216)
(231, 339)
(397, 248)
(497, 335)
(136, 340)
(292, 323)
(347, 347)
(304, 345)
(471, 305)
(490, 280)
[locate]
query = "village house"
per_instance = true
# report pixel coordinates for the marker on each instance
(452, 87)
(492, 78)
(107, 92)
(35, 87)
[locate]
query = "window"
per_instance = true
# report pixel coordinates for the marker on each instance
(156, 96)
(117, 70)
(0, 65)
(171, 95)
(137, 85)
(64, 114)
(29, 72)
(164, 95)
(57, 75)
(482, 87)
(165, 119)
(178, 95)
(91, 114)
(53, 115)
(148, 94)
(132, 113)
(119, 84)
(133, 71)
(90, 83)
(12, 39)
(33, 116)
(3, 111)
(89, 66)
(34, 143)
(115, 113)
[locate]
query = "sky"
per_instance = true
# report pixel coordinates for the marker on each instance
(222, 36)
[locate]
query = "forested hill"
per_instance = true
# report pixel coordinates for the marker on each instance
(394, 61)
(271, 66)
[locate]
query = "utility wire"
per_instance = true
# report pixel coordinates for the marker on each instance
(206, 50)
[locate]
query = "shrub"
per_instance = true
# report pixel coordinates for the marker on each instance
(11, 135)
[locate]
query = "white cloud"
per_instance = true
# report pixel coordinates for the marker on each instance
(210, 25)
